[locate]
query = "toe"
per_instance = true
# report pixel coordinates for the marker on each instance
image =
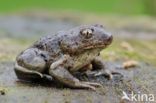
(93, 84)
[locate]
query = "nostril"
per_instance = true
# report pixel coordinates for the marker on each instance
(110, 39)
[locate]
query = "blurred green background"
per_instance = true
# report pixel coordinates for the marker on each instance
(121, 7)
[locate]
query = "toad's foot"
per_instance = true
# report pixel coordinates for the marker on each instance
(108, 73)
(59, 71)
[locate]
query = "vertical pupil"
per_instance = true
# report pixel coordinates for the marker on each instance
(87, 34)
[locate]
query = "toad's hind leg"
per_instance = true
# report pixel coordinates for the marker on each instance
(26, 74)
(59, 71)
(30, 64)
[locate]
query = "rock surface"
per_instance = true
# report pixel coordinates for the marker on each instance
(46, 91)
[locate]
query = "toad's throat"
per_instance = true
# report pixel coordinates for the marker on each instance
(82, 59)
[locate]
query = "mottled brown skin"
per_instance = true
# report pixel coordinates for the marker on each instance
(60, 54)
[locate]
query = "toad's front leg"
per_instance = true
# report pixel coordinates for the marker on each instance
(59, 70)
(98, 64)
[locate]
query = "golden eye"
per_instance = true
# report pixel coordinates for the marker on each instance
(87, 33)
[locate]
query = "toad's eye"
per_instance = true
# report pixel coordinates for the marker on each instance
(87, 33)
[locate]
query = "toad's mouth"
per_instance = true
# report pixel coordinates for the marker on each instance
(99, 45)
(96, 45)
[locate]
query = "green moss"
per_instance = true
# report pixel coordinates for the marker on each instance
(144, 51)
(89, 99)
(4, 89)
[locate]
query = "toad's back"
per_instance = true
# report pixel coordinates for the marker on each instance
(50, 44)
